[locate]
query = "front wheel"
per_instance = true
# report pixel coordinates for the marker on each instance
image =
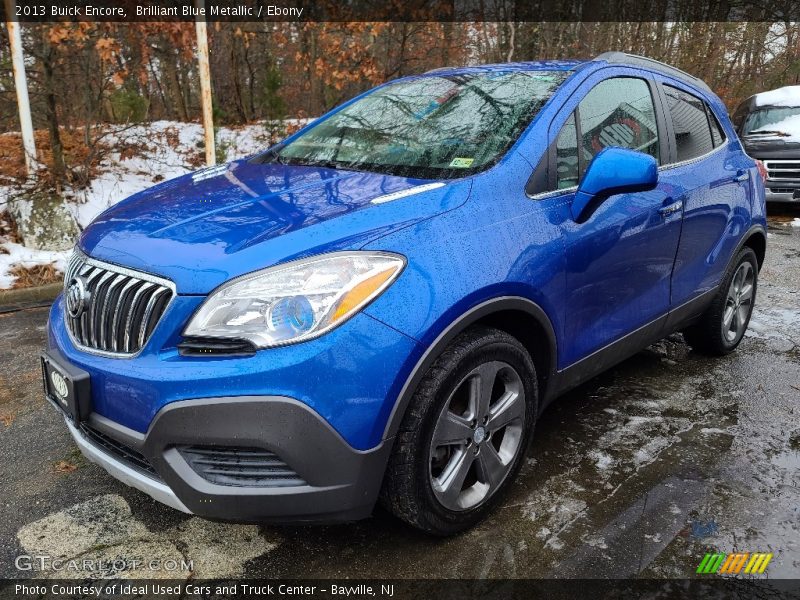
(463, 437)
(724, 324)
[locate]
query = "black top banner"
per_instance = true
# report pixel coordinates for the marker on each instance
(33, 11)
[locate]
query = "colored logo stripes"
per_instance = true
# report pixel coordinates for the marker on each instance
(733, 564)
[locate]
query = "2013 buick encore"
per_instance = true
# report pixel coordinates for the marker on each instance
(380, 307)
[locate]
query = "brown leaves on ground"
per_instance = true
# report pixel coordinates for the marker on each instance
(6, 419)
(131, 149)
(8, 230)
(76, 153)
(35, 275)
(64, 466)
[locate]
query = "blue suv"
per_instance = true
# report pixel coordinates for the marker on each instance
(380, 307)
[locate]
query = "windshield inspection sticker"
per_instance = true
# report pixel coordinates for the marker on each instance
(462, 163)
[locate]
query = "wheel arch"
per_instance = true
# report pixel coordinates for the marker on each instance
(757, 240)
(520, 317)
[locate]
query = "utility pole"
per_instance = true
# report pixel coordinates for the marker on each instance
(205, 85)
(21, 86)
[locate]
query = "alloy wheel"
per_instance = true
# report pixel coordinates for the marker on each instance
(739, 303)
(477, 436)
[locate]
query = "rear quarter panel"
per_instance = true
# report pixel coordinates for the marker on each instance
(718, 210)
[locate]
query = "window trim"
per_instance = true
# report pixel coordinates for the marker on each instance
(713, 123)
(550, 154)
(695, 159)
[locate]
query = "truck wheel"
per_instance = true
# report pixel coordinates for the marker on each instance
(464, 435)
(723, 325)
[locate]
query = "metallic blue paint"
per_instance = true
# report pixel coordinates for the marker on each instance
(466, 242)
(204, 228)
(131, 391)
(614, 171)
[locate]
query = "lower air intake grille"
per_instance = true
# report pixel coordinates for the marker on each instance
(124, 453)
(237, 466)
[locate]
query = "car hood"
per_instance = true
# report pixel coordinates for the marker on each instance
(203, 228)
(771, 146)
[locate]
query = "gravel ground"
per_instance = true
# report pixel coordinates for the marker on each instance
(639, 472)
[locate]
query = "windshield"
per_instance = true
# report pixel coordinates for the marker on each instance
(439, 127)
(771, 120)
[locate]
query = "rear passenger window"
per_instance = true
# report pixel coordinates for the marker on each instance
(689, 119)
(618, 112)
(716, 129)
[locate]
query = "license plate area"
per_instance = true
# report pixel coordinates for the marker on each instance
(67, 386)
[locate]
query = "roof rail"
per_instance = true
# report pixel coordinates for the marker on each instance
(623, 58)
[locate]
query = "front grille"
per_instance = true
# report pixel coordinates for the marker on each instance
(782, 169)
(123, 306)
(239, 466)
(780, 190)
(124, 453)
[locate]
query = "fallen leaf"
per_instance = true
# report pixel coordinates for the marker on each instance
(6, 419)
(64, 466)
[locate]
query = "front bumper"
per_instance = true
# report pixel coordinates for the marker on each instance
(119, 470)
(334, 481)
(782, 190)
(350, 377)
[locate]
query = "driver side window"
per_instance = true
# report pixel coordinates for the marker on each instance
(617, 112)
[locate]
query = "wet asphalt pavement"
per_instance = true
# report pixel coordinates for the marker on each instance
(639, 472)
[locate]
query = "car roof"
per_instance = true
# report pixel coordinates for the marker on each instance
(612, 58)
(787, 96)
(537, 65)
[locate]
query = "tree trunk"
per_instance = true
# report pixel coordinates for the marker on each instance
(58, 168)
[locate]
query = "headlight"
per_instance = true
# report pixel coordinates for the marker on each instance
(295, 301)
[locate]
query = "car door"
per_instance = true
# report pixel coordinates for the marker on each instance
(711, 177)
(618, 260)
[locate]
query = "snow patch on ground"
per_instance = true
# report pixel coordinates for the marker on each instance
(170, 149)
(20, 255)
(713, 430)
(602, 461)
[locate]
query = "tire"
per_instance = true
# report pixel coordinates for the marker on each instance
(450, 466)
(721, 328)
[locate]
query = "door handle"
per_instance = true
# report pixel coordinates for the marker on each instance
(667, 210)
(742, 176)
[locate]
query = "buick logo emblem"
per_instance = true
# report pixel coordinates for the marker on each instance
(59, 386)
(77, 297)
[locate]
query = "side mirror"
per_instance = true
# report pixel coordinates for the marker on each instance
(614, 171)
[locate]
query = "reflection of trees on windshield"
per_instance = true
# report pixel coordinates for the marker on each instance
(445, 126)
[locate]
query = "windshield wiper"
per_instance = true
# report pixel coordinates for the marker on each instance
(271, 155)
(299, 162)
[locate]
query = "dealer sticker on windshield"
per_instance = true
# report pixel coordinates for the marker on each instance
(462, 163)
